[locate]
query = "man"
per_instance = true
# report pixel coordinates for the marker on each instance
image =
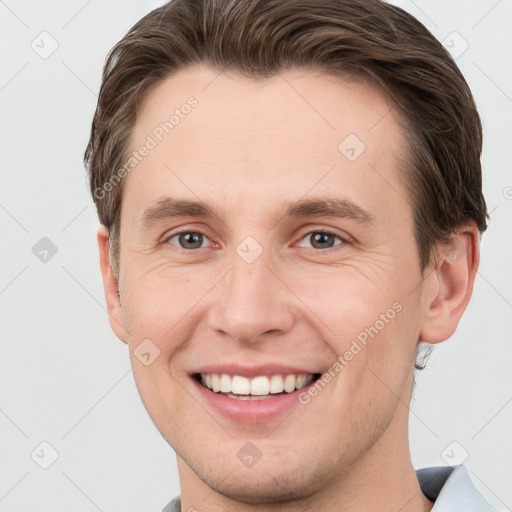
(291, 205)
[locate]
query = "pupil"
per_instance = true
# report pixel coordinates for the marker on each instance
(322, 238)
(193, 240)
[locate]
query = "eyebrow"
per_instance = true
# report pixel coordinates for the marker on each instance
(169, 207)
(330, 207)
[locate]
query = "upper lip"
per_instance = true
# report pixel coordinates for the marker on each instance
(254, 371)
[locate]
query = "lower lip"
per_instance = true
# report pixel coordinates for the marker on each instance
(251, 411)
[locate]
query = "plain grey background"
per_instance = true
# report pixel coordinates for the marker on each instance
(65, 380)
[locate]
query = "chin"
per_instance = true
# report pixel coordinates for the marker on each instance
(260, 489)
(263, 483)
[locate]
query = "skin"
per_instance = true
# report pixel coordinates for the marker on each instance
(247, 147)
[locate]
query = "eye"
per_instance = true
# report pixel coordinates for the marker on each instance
(188, 239)
(322, 239)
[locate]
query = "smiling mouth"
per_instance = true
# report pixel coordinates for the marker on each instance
(257, 388)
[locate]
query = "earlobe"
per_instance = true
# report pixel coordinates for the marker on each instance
(453, 278)
(110, 286)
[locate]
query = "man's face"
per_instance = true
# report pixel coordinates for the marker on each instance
(259, 289)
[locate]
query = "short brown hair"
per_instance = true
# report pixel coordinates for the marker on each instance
(367, 39)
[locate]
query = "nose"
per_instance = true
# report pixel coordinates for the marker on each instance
(252, 303)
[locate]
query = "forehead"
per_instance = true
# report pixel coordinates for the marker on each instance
(288, 134)
(326, 105)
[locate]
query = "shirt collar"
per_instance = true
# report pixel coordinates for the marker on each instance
(451, 489)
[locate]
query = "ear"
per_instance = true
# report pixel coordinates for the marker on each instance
(110, 286)
(452, 281)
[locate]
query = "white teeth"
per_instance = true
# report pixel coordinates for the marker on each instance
(276, 384)
(289, 383)
(225, 383)
(241, 385)
(300, 381)
(215, 382)
(257, 386)
(260, 386)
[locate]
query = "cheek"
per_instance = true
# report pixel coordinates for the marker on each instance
(351, 300)
(368, 319)
(163, 398)
(156, 300)
(157, 297)
(379, 353)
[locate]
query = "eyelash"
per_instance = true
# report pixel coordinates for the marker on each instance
(344, 240)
